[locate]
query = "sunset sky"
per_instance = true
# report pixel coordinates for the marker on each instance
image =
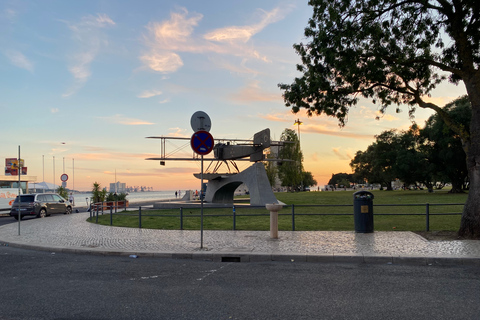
(85, 82)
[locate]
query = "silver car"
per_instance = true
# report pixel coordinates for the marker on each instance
(39, 205)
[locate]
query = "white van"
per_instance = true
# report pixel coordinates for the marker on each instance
(7, 196)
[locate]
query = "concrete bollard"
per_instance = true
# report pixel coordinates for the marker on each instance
(273, 208)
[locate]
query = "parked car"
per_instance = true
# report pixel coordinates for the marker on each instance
(39, 205)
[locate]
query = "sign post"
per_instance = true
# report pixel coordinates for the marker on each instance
(19, 188)
(202, 143)
(64, 178)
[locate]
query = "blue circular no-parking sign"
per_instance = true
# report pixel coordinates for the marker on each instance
(202, 142)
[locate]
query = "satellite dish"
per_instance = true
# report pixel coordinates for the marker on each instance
(200, 122)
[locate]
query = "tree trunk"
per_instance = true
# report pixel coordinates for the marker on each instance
(470, 223)
(457, 185)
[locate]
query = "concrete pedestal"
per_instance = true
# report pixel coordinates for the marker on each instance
(274, 208)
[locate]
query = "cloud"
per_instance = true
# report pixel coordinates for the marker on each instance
(163, 62)
(54, 110)
(342, 155)
(19, 60)
(109, 155)
(121, 119)
(253, 92)
(8, 14)
(149, 93)
(244, 33)
(439, 101)
(89, 40)
(337, 132)
(177, 132)
(318, 124)
(169, 38)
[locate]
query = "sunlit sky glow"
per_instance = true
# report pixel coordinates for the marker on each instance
(86, 82)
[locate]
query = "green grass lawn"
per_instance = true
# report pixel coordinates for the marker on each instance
(336, 207)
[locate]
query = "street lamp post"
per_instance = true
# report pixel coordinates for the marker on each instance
(298, 123)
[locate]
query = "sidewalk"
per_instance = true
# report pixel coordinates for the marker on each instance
(71, 233)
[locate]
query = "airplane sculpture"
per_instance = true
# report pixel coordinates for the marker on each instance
(226, 149)
(221, 186)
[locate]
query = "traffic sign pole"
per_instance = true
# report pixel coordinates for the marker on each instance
(201, 203)
(202, 143)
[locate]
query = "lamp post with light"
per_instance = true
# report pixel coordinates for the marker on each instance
(298, 123)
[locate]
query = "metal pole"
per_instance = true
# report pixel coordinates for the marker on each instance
(140, 217)
(73, 185)
(293, 217)
(427, 217)
(53, 172)
(19, 190)
(234, 218)
(201, 203)
(181, 218)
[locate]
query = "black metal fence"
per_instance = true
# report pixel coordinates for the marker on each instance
(295, 211)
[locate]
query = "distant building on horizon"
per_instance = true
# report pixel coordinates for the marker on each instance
(118, 187)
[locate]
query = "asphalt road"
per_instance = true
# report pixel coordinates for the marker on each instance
(49, 285)
(6, 220)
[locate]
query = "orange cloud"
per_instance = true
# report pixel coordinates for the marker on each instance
(341, 154)
(121, 119)
(253, 92)
(244, 33)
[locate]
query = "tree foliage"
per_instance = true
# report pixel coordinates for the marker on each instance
(290, 172)
(341, 179)
(98, 195)
(62, 192)
(431, 156)
(394, 53)
(445, 147)
(308, 179)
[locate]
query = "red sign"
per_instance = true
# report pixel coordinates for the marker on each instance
(202, 142)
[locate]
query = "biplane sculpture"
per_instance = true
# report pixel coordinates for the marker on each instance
(222, 186)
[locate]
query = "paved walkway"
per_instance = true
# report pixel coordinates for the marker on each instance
(71, 233)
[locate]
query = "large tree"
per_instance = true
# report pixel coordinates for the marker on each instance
(395, 53)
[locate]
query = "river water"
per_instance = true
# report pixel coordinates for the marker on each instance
(83, 199)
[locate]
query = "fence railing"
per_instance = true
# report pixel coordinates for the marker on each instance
(295, 211)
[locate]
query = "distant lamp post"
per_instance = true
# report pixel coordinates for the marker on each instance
(298, 123)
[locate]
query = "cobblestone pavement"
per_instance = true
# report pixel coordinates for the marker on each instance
(72, 233)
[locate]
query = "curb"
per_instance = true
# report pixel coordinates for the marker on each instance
(268, 257)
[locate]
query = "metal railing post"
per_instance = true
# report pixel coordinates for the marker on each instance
(181, 218)
(234, 219)
(97, 216)
(293, 217)
(111, 216)
(427, 217)
(140, 217)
